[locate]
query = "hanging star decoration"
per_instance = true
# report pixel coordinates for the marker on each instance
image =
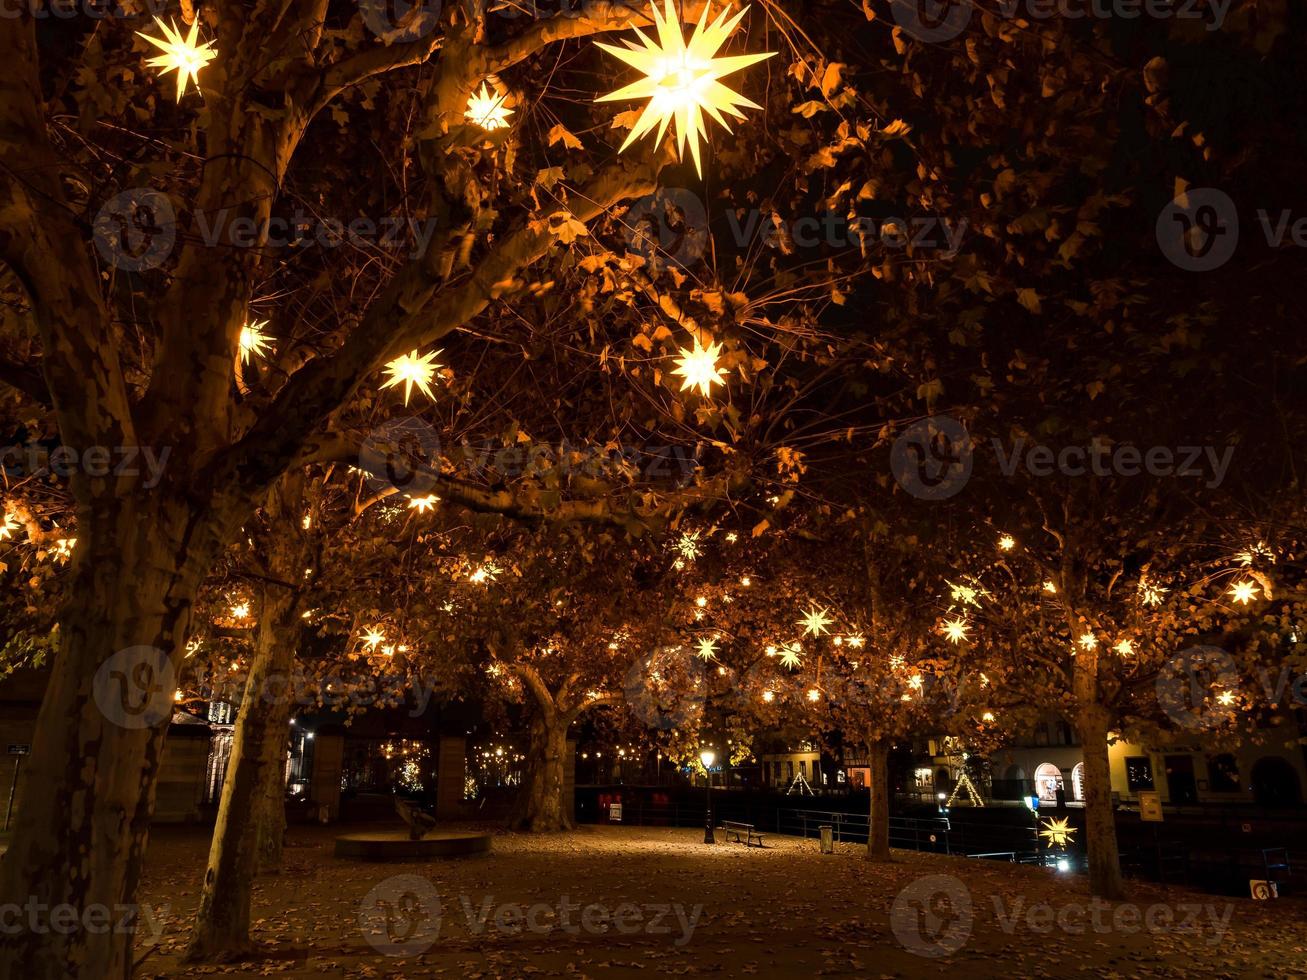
(967, 595)
(1087, 641)
(791, 655)
(815, 622)
(1058, 832)
(955, 630)
(254, 341)
(8, 525)
(1254, 553)
(707, 649)
(1007, 542)
(180, 54)
(1243, 592)
(699, 368)
(688, 545)
(681, 78)
(1126, 648)
(486, 108)
(1226, 698)
(411, 369)
(424, 504)
(373, 638)
(1150, 594)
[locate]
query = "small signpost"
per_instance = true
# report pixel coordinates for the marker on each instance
(1150, 807)
(614, 813)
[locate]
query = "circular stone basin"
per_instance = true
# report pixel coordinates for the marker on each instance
(396, 846)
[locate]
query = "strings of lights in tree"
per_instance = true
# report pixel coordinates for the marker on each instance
(681, 77)
(180, 54)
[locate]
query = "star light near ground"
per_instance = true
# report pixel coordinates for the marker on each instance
(681, 77)
(180, 54)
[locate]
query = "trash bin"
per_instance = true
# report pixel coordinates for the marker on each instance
(827, 839)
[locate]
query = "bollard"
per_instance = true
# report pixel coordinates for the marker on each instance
(827, 839)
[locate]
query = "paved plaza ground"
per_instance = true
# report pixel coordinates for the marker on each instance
(642, 902)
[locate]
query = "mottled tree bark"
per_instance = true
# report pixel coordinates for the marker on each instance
(1100, 819)
(878, 810)
(542, 805)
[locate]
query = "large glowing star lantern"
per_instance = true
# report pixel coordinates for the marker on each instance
(681, 77)
(486, 108)
(180, 54)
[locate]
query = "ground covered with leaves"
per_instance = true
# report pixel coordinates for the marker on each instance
(627, 902)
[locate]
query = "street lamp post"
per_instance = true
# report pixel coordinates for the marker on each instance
(706, 757)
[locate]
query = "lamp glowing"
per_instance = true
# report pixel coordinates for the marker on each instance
(180, 54)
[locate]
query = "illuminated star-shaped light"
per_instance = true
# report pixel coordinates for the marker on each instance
(424, 504)
(254, 340)
(1058, 832)
(63, 548)
(1254, 552)
(967, 595)
(8, 525)
(1050, 587)
(814, 694)
(857, 642)
(1226, 697)
(1243, 592)
(699, 368)
(688, 545)
(791, 655)
(240, 610)
(1126, 648)
(815, 622)
(707, 649)
(373, 638)
(411, 369)
(486, 108)
(681, 77)
(769, 696)
(180, 54)
(1150, 594)
(1007, 542)
(1087, 641)
(987, 717)
(955, 630)
(486, 573)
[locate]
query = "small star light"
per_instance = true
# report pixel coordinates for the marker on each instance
(1007, 542)
(688, 546)
(1087, 641)
(8, 526)
(1243, 592)
(1059, 832)
(814, 694)
(681, 77)
(240, 611)
(707, 649)
(254, 340)
(424, 504)
(955, 630)
(791, 656)
(1150, 594)
(1226, 698)
(768, 696)
(699, 367)
(373, 638)
(857, 642)
(967, 595)
(180, 54)
(486, 573)
(1050, 588)
(486, 108)
(1253, 553)
(409, 370)
(987, 717)
(63, 548)
(815, 622)
(1126, 648)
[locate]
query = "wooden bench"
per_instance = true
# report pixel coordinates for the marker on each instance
(741, 833)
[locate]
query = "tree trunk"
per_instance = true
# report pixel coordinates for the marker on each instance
(270, 811)
(541, 806)
(1100, 820)
(88, 793)
(258, 756)
(878, 813)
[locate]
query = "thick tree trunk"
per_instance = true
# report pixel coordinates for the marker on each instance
(222, 922)
(1100, 820)
(270, 811)
(541, 806)
(81, 831)
(878, 813)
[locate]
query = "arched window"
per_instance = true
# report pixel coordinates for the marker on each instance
(1078, 782)
(1048, 780)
